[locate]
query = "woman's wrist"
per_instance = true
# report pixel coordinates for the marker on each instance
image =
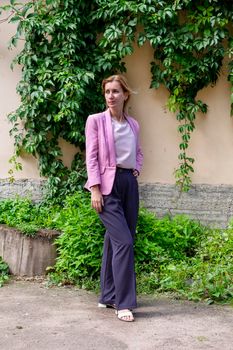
(95, 188)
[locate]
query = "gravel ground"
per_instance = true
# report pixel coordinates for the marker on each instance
(33, 316)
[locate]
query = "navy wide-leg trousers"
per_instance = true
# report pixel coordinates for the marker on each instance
(119, 216)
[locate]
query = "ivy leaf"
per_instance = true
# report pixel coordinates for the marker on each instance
(15, 19)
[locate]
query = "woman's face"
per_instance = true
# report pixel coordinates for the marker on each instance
(115, 96)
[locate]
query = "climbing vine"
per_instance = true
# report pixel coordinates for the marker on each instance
(70, 46)
(57, 88)
(190, 40)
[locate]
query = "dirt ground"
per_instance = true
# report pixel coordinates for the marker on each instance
(34, 316)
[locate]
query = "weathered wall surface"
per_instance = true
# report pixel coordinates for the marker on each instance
(27, 256)
(211, 205)
(29, 188)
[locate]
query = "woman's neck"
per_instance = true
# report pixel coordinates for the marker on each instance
(118, 115)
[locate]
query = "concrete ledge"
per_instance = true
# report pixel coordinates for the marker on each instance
(210, 204)
(27, 256)
(29, 188)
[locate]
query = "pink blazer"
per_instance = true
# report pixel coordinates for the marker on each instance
(100, 150)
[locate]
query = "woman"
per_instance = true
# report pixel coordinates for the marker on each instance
(114, 160)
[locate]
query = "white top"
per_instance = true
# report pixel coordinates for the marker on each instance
(125, 144)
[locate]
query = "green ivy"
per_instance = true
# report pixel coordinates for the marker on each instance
(70, 46)
(58, 88)
(190, 40)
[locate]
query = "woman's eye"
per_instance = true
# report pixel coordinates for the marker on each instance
(107, 92)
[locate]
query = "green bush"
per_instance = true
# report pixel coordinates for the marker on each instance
(80, 244)
(176, 255)
(207, 275)
(4, 272)
(179, 237)
(25, 215)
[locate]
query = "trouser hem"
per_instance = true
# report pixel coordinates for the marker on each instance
(111, 302)
(126, 307)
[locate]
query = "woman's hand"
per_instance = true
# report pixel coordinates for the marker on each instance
(97, 201)
(135, 173)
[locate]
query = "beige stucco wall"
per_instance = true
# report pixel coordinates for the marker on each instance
(212, 141)
(9, 101)
(211, 144)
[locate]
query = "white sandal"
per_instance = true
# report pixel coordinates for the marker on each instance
(111, 306)
(125, 313)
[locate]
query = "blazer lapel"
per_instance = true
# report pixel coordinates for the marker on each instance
(132, 126)
(110, 138)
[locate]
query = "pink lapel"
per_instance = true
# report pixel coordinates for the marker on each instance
(131, 125)
(110, 139)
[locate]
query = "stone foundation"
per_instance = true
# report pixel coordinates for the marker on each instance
(210, 204)
(29, 188)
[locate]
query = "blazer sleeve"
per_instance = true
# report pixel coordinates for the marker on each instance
(139, 153)
(139, 157)
(92, 146)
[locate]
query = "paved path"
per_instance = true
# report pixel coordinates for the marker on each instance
(35, 317)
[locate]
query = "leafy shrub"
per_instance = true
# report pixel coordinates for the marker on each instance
(25, 215)
(80, 244)
(4, 272)
(177, 255)
(213, 274)
(178, 237)
(207, 275)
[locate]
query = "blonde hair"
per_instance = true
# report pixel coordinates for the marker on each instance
(123, 83)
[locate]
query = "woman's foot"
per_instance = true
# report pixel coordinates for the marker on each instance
(125, 315)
